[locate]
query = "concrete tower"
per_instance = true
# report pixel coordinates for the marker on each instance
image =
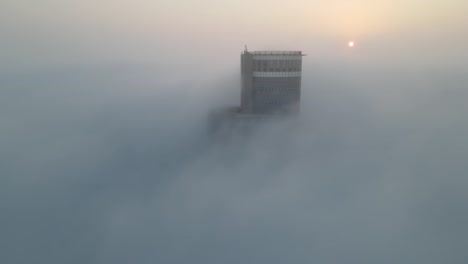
(271, 82)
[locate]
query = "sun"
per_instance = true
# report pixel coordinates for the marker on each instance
(351, 44)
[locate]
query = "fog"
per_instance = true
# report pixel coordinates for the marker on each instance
(105, 155)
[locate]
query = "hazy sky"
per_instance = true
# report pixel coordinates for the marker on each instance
(142, 31)
(105, 156)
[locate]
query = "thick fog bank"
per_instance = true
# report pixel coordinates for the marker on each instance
(115, 166)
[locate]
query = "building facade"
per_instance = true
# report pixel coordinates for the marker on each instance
(271, 88)
(271, 82)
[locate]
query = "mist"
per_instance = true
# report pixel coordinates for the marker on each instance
(105, 155)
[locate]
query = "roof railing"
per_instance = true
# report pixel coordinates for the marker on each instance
(273, 52)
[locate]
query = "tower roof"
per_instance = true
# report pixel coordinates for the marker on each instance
(275, 52)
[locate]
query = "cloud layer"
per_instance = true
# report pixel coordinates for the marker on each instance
(105, 155)
(115, 166)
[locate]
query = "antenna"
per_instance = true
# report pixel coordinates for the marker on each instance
(246, 50)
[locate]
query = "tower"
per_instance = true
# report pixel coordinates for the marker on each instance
(270, 88)
(271, 82)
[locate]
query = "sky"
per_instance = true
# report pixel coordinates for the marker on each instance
(105, 155)
(73, 32)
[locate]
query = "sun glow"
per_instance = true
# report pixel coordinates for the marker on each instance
(351, 44)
